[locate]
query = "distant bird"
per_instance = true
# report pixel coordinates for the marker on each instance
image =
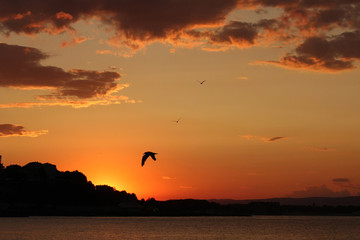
(201, 82)
(146, 155)
(177, 121)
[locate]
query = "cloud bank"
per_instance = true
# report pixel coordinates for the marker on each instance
(321, 191)
(325, 33)
(20, 68)
(10, 130)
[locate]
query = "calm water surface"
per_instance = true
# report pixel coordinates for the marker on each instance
(180, 228)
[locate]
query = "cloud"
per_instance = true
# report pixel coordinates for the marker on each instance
(322, 149)
(321, 191)
(274, 139)
(312, 23)
(346, 183)
(137, 19)
(233, 34)
(321, 54)
(253, 137)
(205, 24)
(106, 100)
(10, 130)
(264, 139)
(21, 69)
(185, 187)
(107, 51)
(340, 180)
(168, 178)
(113, 68)
(240, 34)
(74, 41)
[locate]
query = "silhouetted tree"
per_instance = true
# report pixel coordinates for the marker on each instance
(1, 165)
(14, 172)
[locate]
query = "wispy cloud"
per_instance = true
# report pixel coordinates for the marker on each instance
(346, 183)
(74, 41)
(11, 130)
(321, 149)
(168, 178)
(340, 180)
(106, 51)
(264, 139)
(113, 68)
(319, 191)
(104, 101)
(274, 139)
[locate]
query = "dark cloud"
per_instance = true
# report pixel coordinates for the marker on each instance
(340, 180)
(346, 183)
(9, 130)
(274, 139)
(37, 16)
(322, 149)
(297, 3)
(319, 53)
(137, 19)
(20, 68)
(322, 191)
(139, 22)
(312, 21)
(146, 20)
(265, 139)
(315, 20)
(236, 33)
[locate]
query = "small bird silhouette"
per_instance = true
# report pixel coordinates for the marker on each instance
(177, 121)
(146, 155)
(201, 82)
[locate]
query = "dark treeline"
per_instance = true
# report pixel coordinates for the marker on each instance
(41, 190)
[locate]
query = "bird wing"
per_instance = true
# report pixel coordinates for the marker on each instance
(144, 159)
(153, 157)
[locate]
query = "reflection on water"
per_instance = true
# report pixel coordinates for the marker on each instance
(180, 228)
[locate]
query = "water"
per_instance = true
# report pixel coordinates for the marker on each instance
(180, 228)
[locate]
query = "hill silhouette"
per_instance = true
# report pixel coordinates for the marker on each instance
(39, 189)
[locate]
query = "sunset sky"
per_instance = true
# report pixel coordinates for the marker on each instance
(90, 85)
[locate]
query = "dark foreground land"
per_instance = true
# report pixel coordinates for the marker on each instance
(41, 190)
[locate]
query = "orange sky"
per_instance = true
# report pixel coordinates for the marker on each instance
(91, 87)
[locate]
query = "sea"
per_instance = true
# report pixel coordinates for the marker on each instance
(181, 228)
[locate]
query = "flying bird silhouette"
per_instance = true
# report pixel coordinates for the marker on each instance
(201, 82)
(146, 155)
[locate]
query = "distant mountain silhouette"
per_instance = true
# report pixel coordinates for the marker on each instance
(319, 201)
